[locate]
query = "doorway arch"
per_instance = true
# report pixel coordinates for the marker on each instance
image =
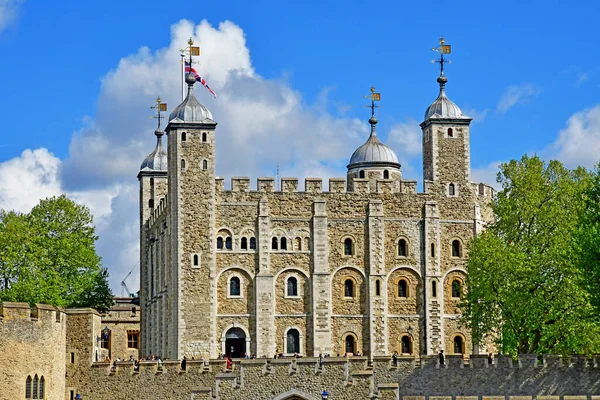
(295, 394)
(235, 343)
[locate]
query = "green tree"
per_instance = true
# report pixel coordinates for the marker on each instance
(53, 259)
(526, 287)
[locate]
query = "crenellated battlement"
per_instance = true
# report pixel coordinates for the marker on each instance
(158, 212)
(10, 311)
(242, 184)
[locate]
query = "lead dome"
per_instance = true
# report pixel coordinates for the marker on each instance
(373, 152)
(443, 107)
(190, 110)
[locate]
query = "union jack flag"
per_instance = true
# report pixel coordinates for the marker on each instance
(190, 70)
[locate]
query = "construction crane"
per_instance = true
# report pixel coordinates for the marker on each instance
(124, 285)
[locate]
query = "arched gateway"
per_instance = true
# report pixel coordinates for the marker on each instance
(235, 343)
(295, 394)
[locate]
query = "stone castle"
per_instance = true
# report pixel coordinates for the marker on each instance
(369, 266)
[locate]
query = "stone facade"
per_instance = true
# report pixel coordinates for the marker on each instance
(216, 263)
(122, 327)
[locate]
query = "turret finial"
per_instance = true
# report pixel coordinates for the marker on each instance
(374, 97)
(159, 107)
(443, 48)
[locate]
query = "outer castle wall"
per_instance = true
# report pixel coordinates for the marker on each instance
(32, 342)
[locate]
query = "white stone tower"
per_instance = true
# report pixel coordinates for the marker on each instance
(446, 173)
(153, 186)
(191, 138)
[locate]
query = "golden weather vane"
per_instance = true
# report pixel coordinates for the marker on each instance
(374, 97)
(159, 107)
(192, 51)
(443, 48)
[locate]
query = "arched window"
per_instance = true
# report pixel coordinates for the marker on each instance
(405, 345)
(151, 203)
(253, 243)
(361, 174)
(432, 249)
(377, 288)
(451, 189)
(42, 388)
(456, 288)
(433, 289)
(458, 345)
(183, 137)
(182, 163)
(402, 288)
(28, 388)
(450, 132)
(293, 341)
(306, 244)
(204, 165)
(274, 244)
(235, 287)
(219, 243)
(456, 250)
(196, 260)
(204, 137)
(292, 286)
(386, 174)
(349, 344)
(244, 244)
(348, 288)
(348, 247)
(298, 244)
(402, 248)
(36, 382)
(228, 242)
(283, 243)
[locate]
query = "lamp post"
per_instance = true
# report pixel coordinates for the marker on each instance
(324, 395)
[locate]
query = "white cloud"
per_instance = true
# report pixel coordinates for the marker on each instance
(478, 116)
(9, 11)
(579, 142)
(405, 139)
(486, 174)
(516, 94)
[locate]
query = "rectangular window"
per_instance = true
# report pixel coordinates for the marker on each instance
(105, 341)
(133, 339)
(72, 358)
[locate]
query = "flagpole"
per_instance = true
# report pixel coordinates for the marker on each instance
(182, 69)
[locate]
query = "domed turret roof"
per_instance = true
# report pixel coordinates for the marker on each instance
(443, 107)
(190, 110)
(157, 160)
(373, 152)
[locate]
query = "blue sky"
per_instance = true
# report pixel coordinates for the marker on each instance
(78, 78)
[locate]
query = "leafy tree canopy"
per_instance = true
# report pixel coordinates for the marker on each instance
(49, 256)
(529, 274)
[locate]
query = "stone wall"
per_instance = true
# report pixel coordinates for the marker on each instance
(32, 343)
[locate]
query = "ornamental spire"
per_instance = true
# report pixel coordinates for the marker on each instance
(374, 97)
(159, 107)
(186, 66)
(443, 48)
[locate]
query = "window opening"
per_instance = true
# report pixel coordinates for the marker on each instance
(432, 249)
(293, 341)
(182, 163)
(349, 344)
(234, 287)
(402, 288)
(306, 244)
(219, 243)
(228, 243)
(36, 381)
(456, 248)
(133, 339)
(183, 137)
(274, 244)
(361, 174)
(458, 345)
(292, 286)
(252, 243)
(348, 288)
(196, 260)
(28, 388)
(455, 288)
(298, 243)
(283, 243)
(151, 203)
(386, 174)
(406, 345)
(204, 165)
(377, 288)
(244, 244)
(204, 137)
(433, 289)
(451, 189)
(72, 358)
(450, 132)
(42, 388)
(402, 248)
(348, 247)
